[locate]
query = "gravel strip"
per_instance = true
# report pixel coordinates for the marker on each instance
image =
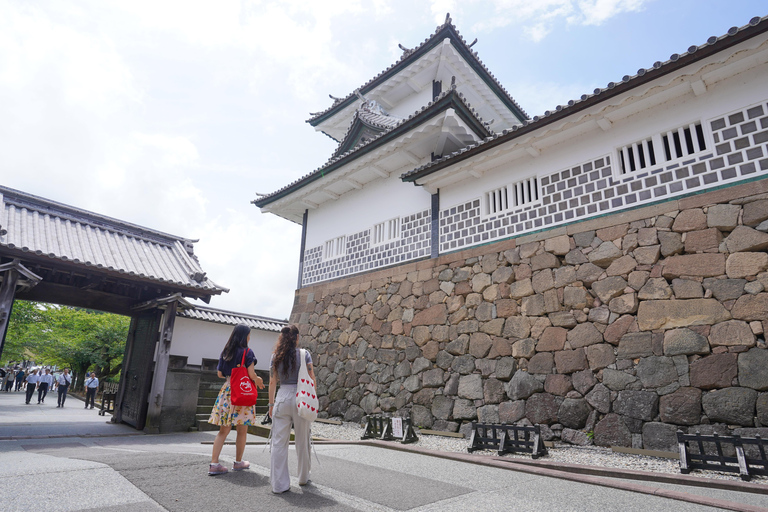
(570, 454)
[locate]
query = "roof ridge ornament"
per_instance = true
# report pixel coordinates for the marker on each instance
(470, 45)
(406, 51)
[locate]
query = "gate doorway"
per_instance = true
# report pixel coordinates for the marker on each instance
(56, 253)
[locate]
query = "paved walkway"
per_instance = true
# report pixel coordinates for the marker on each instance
(71, 459)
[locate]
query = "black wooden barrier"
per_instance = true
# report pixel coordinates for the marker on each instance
(750, 456)
(108, 398)
(507, 439)
(380, 427)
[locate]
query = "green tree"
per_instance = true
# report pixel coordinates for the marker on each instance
(81, 339)
(19, 339)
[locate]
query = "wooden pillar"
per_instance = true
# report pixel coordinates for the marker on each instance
(161, 369)
(7, 295)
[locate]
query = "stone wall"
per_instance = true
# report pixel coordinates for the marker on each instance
(627, 327)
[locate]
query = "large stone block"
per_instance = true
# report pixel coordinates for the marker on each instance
(542, 408)
(612, 431)
(584, 381)
(690, 220)
(544, 260)
(520, 289)
(518, 327)
(559, 245)
(523, 385)
(753, 369)
(588, 273)
(552, 339)
(669, 314)
(621, 266)
(730, 405)
(437, 314)
(541, 363)
(641, 405)
(671, 243)
(506, 368)
(660, 436)
(624, 304)
(493, 391)
(442, 407)
(617, 380)
(703, 240)
(608, 288)
(751, 307)
(683, 407)
(464, 409)
(605, 254)
(731, 333)
(471, 387)
(723, 216)
(569, 361)
(746, 239)
(479, 344)
(656, 371)
(575, 297)
(725, 289)
(525, 348)
(618, 328)
(714, 371)
(687, 289)
(600, 399)
(647, 255)
(762, 408)
(684, 342)
(573, 412)
(655, 288)
(488, 414)
(745, 264)
(698, 265)
(584, 335)
(635, 344)
(600, 356)
(558, 384)
(755, 212)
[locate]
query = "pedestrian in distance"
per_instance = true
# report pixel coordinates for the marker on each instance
(91, 386)
(63, 382)
(44, 385)
(20, 379)
(226, 415)
(10, 375)
(32, 379)
(284, 369)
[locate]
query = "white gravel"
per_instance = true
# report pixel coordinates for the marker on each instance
(586, 455)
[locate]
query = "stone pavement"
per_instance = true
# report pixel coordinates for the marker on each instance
(72, 460)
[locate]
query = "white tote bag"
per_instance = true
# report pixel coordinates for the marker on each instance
(306, 395)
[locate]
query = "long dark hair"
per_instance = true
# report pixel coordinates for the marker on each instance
(285, 349)
(238, 339)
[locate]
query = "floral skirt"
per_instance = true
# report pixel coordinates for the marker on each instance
(225, 414)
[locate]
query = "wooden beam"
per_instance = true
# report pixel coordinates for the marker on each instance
(7, 294)
(161, 370)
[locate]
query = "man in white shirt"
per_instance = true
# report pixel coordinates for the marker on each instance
(32, 379)
(64, 380)
(91, 386)
(45, 383)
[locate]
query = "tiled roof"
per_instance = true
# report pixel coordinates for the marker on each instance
(447, 29)
(676, 61)
(337, 160)
(369, 114)
(231, 318)
(46, 228)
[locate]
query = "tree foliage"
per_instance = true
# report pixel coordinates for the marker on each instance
(81, 339)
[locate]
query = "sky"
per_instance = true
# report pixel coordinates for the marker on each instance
(173, 114)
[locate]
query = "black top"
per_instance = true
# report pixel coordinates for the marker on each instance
(225, 367)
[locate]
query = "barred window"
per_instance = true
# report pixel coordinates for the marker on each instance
(662, 148)
(512, 196)
(335, 248)
(386, 231)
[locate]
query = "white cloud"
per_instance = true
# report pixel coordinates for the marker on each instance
(537, 19)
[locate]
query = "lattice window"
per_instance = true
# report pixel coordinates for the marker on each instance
(386, 231)
(662, 147)
(335, 248)
(512, 196)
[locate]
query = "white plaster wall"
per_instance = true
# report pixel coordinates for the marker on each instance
(412, 103)
(735, 93)
(359, 210)
(198, 339)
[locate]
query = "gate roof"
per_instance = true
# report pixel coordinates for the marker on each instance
(73, 247)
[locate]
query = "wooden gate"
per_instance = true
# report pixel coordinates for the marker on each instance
(137, 368)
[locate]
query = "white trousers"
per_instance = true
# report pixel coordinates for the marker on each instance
(284, 413)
